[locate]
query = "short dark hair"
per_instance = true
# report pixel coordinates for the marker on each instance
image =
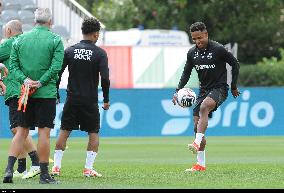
(198, 26)
(90, 25)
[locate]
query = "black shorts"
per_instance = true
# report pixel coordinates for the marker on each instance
(219, 95)
(39, 113)
(13, 112)
(80, 116)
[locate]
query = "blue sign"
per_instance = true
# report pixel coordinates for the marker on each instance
(150, 112)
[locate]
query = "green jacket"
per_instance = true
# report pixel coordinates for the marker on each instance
(12, 86)
(38, 55)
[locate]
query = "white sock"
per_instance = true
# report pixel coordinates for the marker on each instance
(201, 158)
(198, 139)
(58, 154)
(90, 159)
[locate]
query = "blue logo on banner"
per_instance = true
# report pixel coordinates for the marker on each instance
(150, 112)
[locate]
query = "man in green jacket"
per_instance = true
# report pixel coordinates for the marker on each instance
(36, 59)
(12, 30)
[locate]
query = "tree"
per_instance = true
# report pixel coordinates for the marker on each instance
(125, 14)
(256, 25)
(87, 4)
(116, 14)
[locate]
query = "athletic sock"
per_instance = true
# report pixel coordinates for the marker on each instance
(90, 159)
(43, 169)
(34, 158)
(201, 158)
(11, 162)
(22, 165)
(198, 138)
(58, 155)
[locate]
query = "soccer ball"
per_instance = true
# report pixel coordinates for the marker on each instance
(186, 97)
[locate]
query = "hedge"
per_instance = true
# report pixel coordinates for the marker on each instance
(268, 72)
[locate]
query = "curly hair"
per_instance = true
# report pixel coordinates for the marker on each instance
(198, 26)
(90, 25)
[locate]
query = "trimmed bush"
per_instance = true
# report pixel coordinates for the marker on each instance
(268, 72)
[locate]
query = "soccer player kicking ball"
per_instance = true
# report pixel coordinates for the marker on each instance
(209, 58)
(85, 63)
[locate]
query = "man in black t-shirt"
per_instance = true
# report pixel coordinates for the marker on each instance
(209, 58)
(86, 62)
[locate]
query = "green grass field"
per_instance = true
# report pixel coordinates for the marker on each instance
(150, 163)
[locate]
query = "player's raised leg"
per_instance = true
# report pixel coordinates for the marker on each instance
(205, 108)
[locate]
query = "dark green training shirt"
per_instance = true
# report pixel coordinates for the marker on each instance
(38, 54)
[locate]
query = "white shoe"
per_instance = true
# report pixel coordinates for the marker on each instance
(17, 174)
(34, 170)
(91, 173)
